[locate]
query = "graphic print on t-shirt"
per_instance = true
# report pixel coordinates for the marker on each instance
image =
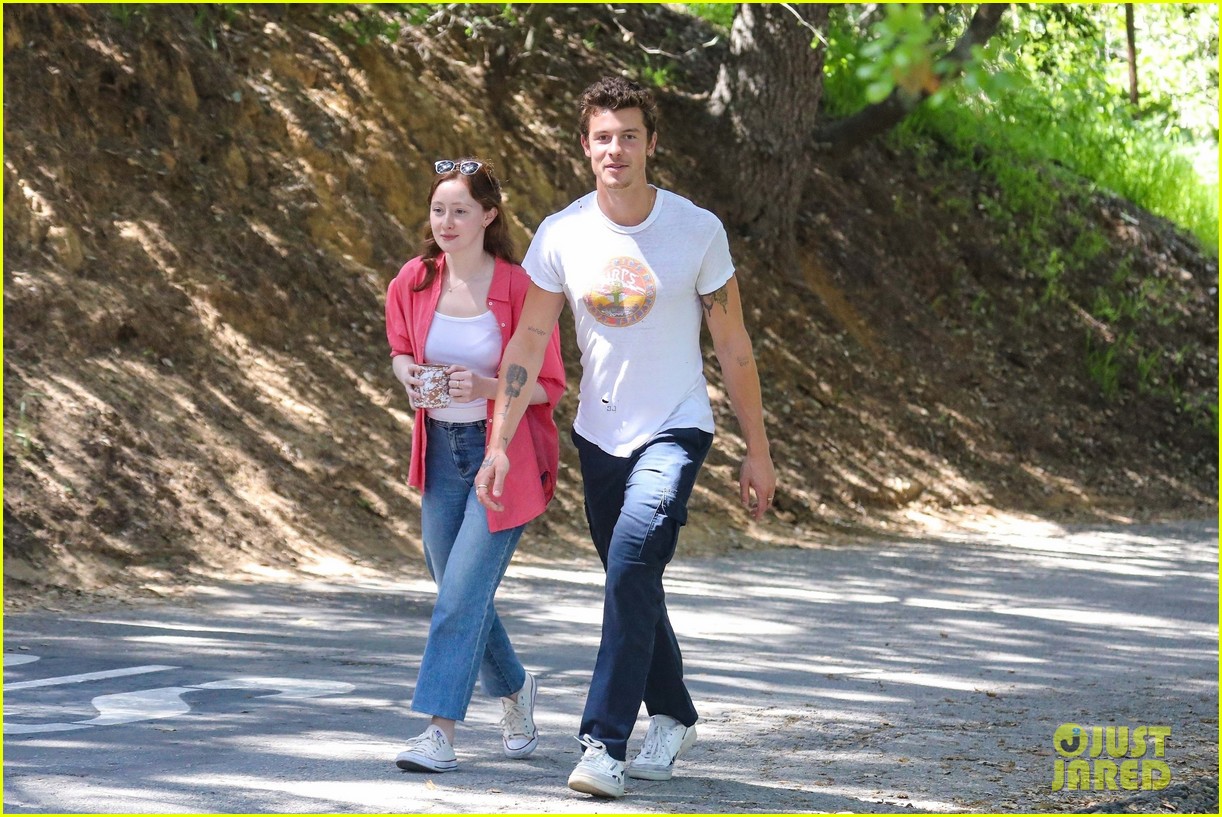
(623, 293)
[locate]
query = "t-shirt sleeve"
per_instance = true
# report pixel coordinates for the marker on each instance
(717, 266)
(540, 262)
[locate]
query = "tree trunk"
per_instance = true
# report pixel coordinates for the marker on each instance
(768, 95)
(875, 120)
(1130, 33)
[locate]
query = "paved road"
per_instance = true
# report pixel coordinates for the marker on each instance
(925, 675)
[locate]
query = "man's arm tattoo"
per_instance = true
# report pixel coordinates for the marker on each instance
(719, 297)
(515, 379)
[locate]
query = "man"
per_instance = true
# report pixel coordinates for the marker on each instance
(640, 267)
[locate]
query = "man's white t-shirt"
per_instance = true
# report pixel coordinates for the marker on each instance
(635, 294)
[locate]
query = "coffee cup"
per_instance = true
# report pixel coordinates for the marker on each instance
(434, 391)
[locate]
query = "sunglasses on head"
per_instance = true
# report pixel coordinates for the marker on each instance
(467, 168)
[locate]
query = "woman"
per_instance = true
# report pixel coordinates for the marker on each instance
(458, 304)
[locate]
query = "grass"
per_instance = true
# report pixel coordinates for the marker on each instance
(1031, 131)
(1116, 153)
(1047, 151)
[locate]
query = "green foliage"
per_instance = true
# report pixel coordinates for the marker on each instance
(720, 14)
(1043, 114)
(365, 24)
(900, 54)
(1049, 94)
(211, 19)
(658, 72)
(1103, 362)
(131, 15)
(1080, 48)
(1093, 137)
(902, 48)
(368, 23)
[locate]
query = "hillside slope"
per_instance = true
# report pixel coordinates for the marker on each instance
(202, 209)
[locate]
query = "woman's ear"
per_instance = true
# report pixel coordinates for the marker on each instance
(490, 216)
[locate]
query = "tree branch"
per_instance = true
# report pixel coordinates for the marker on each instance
(875, 120)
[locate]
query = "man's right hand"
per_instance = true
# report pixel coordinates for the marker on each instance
(490, 481)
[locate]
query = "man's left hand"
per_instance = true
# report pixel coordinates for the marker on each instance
(757, 484)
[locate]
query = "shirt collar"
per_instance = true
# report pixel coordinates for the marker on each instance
(499, 289)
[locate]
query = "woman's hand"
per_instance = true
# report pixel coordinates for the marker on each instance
(409, 376)
(466, 385)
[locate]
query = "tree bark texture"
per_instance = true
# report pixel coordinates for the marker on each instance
(768, 93)
(875, 120)
(1130, 33)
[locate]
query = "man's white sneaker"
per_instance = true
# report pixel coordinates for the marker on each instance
(665, 742)
(597, 773)
(518, 731)
(428, 752)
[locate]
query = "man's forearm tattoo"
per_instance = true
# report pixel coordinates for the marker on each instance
(719, 297)
(515, 379)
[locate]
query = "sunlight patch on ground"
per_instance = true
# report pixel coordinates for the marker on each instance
(334, 566)
(550, 574)
(772, 591)
(166, 625)
(1164, 627)
(135, 800)
(938, 681)
(855, 697)
(720, 625)
(410, 793)
(1008, 658)
(579, 614)
(943, 604)
(181, 641)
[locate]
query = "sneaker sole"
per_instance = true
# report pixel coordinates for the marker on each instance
(662, 772)
(412, 764)
(525, 751)
(648, 773)
(594, 786)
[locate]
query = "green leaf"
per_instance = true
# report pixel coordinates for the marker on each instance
(879, 90)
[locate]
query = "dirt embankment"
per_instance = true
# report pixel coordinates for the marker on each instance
(203, 208)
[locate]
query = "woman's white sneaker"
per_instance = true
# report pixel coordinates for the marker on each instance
(519, 734)
(665, 742)
(597, 773)
(428, 752)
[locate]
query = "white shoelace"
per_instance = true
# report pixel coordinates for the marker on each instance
(515, 722)
(596, 755)
(428, 743)
(652, 751)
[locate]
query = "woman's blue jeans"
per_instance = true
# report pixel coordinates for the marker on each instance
(466, 637)
(635, 506)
